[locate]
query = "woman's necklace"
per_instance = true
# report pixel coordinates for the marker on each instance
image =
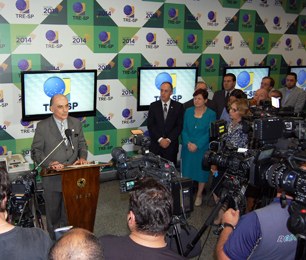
(199, 114)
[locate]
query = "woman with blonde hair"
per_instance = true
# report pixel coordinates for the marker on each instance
(235, 138)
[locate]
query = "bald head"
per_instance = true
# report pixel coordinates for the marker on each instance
(77, 244)
(261, 95)
(201, 85)
(59, 107)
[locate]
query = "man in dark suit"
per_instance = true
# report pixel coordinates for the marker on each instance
(48, 134)
(199, 85)
(165, 126)
(220, 99)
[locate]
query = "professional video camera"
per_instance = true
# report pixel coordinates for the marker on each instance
(23, 202)
(131, 169)
(285, 123)
(268, 167)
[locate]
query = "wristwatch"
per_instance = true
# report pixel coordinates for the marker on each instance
(225, 224)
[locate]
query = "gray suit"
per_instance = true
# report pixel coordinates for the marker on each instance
(296, 99)
(47, 137)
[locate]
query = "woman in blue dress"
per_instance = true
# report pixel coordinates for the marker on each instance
(195, 140)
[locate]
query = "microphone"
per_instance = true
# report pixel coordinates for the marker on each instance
(68, 134)
(48, 155)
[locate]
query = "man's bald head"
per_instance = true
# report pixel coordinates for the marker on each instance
(77, 244)
(201, 85)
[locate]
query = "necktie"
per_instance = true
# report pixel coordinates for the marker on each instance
(227, 98)
(63, 133)
(165, 111)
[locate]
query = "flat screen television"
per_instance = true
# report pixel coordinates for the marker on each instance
(37, 88)
(183, 80)
(248, 79)
(301, 75)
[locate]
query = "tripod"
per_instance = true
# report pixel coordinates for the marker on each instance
(232, 197)
(23, 206)
(181, 231)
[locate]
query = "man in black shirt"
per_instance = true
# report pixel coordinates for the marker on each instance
(149, 217)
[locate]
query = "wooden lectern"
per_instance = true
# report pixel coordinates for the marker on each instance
(80, 186)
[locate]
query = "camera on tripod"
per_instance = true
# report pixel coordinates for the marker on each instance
(23, 185)
(266, 167)
(131, 169)
(22, 204)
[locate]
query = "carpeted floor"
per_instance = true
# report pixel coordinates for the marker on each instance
(112, 210)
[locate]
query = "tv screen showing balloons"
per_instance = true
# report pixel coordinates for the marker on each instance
(38, 87)
(183, 80)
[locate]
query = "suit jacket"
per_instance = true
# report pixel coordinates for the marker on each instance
(296, 99)
(170, 128)
(47, 137)
(218, 102)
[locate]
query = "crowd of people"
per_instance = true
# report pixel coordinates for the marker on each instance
(231, 105)
(151, 205)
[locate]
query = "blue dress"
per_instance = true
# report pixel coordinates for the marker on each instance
(196, 130)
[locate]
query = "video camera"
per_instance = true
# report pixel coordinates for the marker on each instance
(267, 166)
(131, 169)
(21, 196)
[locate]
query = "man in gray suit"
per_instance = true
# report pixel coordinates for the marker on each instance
(292, 95)
(48, 134)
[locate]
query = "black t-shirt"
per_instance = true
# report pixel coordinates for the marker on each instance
(122, 247)
(24, 243)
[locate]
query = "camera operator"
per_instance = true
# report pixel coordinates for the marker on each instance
(260, 234)
(149, 217)
(17, 242)
(260, 96)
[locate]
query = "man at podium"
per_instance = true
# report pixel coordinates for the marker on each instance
(72, 150)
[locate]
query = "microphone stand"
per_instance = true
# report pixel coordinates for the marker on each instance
(34, 174)
(55, 148)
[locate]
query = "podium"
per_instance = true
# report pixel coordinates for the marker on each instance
(80, 187)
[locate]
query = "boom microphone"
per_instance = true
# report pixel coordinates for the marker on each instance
(68, 134)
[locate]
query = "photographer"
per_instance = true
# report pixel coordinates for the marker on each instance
(261, 234)
(260, 96)
(149, 217)
(17, 242)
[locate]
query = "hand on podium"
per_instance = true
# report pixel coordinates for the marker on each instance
(80, 161)
(55, 165)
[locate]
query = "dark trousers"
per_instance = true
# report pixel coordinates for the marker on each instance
(55, 211)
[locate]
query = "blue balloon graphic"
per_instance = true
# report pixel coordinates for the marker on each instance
(126, 113)
(103, 139)
(301, 77)
(161, 78)
(53, 86)
(243, 79)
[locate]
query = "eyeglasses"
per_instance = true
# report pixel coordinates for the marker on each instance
(234, 109)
